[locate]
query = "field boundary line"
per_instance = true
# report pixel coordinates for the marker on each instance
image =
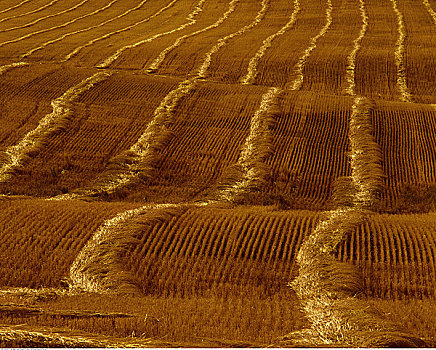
(159, 59)
(406, 96)
(45, 17)
(298, 81)
(14, 7)
(250, 77)
(329, 289)
(351, 59)
(137, 162)
(58, 26)
(30, 12)
(251, 171)
(16, 156)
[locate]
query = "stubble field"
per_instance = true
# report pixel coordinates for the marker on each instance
(217, 173)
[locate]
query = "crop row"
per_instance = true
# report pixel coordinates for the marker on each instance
(396, 255)
(40, 239)
(375, 59)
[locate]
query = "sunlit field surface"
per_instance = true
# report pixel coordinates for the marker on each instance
(217, 173)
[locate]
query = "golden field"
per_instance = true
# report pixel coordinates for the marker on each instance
(217, 173)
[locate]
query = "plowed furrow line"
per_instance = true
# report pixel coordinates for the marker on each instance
(108, 61)
(250, 77)
(28, 53)
(139, 159)
(298, 81)
(30, 12)
(14, 157)
(351, 74)
(406, 96)
(44, 18)
(58, 26)
(15, 6)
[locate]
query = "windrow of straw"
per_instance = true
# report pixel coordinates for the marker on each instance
(46, 338)
(58, 26)
(43, 18)
(29, 12)
(8, 67)
(329, 290)
(298, 81)
(251, 171)
(107, 35)
(109, 60)
(99, 265)
(406, 96)
(351, 59)
(14, 157)
(250, 77)
(138, 162)
(14, 7)
(159, 59)
(430, 10)
(40, 47)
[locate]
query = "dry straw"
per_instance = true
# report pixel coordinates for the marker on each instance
(99, 265)
(328, 289)
(137, 163)
(16, 156)
(29, 12)
(298, 81)
(250, 77)
(251, 172)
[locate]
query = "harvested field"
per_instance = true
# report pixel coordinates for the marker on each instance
(217, 173)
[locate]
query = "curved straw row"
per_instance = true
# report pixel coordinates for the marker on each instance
(351, 74)
(137, 162)
(14, 7)
(30, 12)
(107, 35)
(28, 53)
(14, 157)
(406, 96)
(58, 26)
(328, 289)
(250, 77)
(430, 10)
(109, 60)
(298, 82)
(251, 170)
(42, 18)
